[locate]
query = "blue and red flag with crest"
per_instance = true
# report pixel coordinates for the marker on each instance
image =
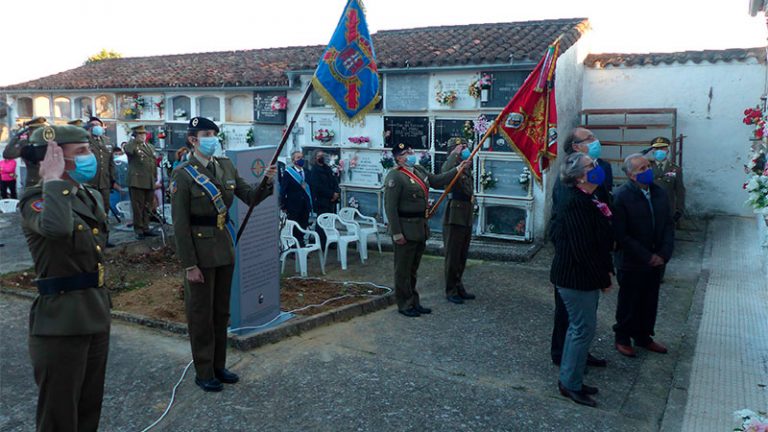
(346, 74)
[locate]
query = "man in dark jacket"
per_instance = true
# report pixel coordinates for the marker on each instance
(295, 194)
(645, 236)
(583, 141)
(324, 186)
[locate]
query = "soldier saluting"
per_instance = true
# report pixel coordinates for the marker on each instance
(142, 176)
(202, 190)
(16, 148)
(406, 196)
(65, 224)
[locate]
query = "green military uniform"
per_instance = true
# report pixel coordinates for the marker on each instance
(69, 321)
(203, 240)
(142, 176)
(15, 146)
(405, 203)
(670, 177)
(457, 227)
(105, 173)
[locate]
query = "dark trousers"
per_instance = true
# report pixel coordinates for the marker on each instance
(301, 218)
(69, 372)
(141, 206)
(207, 306)
(637, 305)
(407, 260)
(559, 329)
(8, 189)
(456, 240)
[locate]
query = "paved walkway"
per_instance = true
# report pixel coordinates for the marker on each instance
(730, 365)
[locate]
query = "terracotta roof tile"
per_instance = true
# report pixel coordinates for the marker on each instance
(484, 44)
(653, 59)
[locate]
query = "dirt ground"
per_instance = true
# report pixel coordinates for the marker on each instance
(151, 284)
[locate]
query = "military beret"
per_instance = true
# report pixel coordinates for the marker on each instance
(76, 122)
(138, 129)
(62, 134)
(399, 148)
(36, 122)
(453, 142)
(93, 119)
(660, 142)
(201, 124)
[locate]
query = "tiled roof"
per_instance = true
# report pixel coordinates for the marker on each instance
(653, 59)
(481, 44)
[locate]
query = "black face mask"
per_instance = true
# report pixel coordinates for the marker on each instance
(321, 161)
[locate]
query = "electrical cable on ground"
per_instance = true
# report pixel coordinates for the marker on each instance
(281, 314)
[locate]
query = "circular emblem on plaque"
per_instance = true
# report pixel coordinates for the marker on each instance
(49, 134)
(258, 167)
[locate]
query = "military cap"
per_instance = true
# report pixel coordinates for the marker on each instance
(76, 122)
(36, 122)
(138, 129)
(660, 142)
(400, 148)
(94, 118)
(455, 141)
(62, 134)
(201, 124)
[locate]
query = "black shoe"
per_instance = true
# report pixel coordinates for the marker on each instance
(588, 390)
(596, 362)
(226, 376)
(455, 299)
(110, 244)
(579, 397)
(423, 310)
(209, 385)
(410, 313)
(466, 296)
(556, 361)
(150, 234)
(140, 236)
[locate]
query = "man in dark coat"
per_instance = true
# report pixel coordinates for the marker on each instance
(645, 235)
(296, 194)
(324, 186)
(583, 141)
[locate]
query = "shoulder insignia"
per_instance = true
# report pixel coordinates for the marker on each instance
(174, 187)
(391, 183)
(37, 205)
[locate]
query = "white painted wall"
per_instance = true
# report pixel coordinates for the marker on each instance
(716, 141)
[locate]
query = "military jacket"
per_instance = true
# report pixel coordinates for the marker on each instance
(105, 172)
(459, 211)
(65, 227)
(405, 201)
(670, 177)
(13, 151)
(206, 245)
(142, 169)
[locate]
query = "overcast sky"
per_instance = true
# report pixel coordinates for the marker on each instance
(48, 36)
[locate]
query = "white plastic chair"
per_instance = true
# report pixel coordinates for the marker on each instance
(291, 245)
(349, 214)
(328, 223)
(126, 215)
(8, 205)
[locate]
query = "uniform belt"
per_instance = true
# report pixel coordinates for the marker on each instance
(203, 220)
(61, 285)
(410, 214)
(453, 198)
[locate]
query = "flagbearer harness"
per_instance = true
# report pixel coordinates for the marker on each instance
(415, 179)
(222, 218)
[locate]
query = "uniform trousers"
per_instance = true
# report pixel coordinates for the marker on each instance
(456, 240)
(69, 372)
(407, 260)
(207, 306)
(141, 206)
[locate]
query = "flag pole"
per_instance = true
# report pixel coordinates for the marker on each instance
(485, 136)
(279, 149)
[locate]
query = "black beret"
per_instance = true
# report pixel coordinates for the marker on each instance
(399, 148)
(93, 119)
(201, 124)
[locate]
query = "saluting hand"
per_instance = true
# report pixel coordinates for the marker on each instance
(52, 166)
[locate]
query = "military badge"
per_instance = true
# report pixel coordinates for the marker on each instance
(37, 205)
(195, 121)
(174, 187)
(515, 120)
(49, 134)
(391, 183)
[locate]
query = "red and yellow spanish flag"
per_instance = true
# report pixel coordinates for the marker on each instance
(529, 121)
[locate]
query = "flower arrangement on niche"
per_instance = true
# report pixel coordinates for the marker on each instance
(279, 103)
(756, 168)
(324, 135)
(160, 107)
(479, 88)
(387, 161)
(179, 114)
(359, 140)
(488, 180)
(447, 98)
(135, 108)
(250, 138)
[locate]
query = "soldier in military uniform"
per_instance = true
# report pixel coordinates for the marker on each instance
(406, 196)
(77, 122)
(104, 180)
(668, 175)
(457, 225)
(64, 223)
(16, 148)
(202, 190)
(142, 176)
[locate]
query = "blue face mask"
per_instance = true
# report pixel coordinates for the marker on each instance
(594, 149)
(411, 160)
(97, 131)
(208, 145)
(299, 163)
(465, 154)
(645, 177)
(660, 155)
(596, 176)
(85, 168)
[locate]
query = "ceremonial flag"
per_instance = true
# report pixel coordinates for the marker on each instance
(346, 74)
(529, 121)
